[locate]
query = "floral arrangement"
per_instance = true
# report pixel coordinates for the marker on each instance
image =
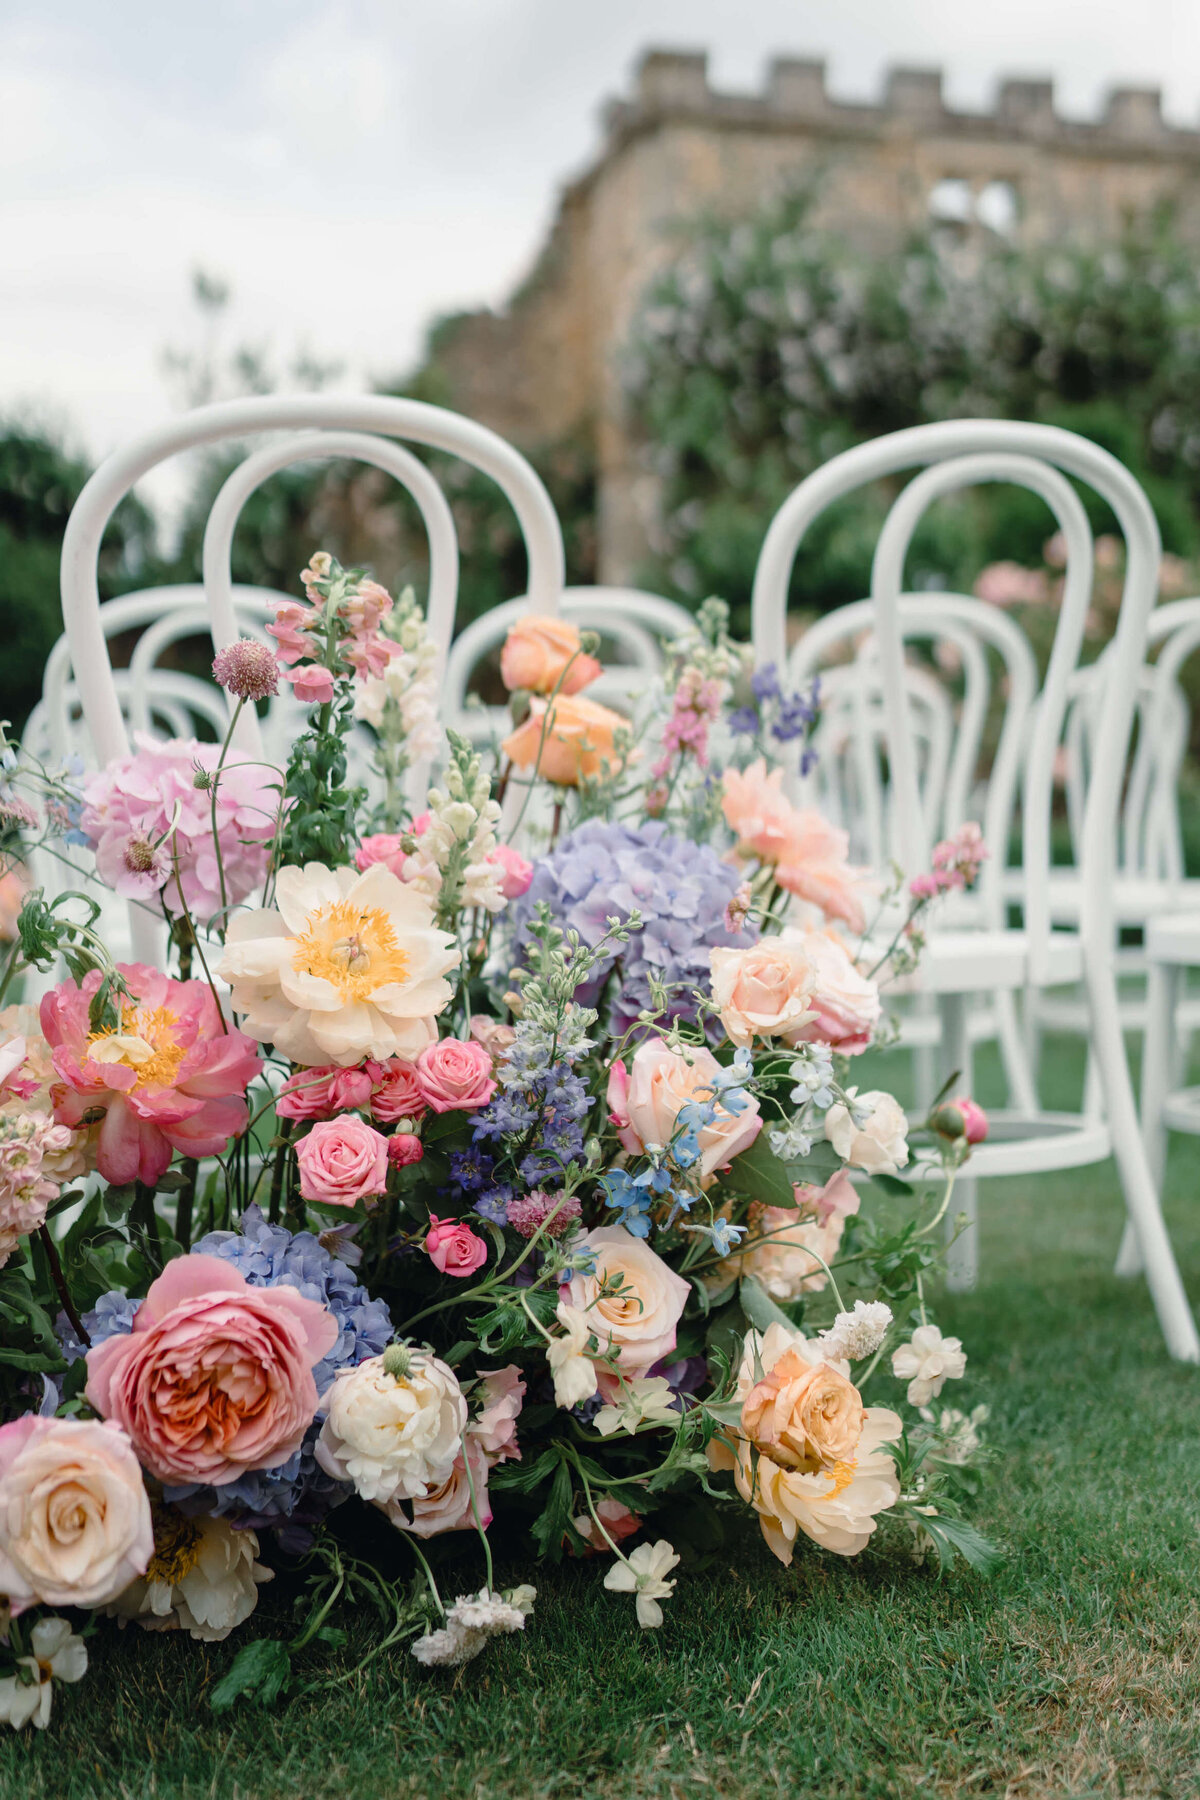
(451, 1177)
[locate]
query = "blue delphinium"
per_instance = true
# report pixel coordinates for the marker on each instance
(680, 888)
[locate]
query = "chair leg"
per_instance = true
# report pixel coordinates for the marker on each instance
(962, 1262)
(1162, 986)
(1014, 1051)
(1141, 1196)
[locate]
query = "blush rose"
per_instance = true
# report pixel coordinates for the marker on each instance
(455, 1076)
(342, 1161)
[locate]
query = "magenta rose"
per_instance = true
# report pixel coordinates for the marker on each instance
(456, 1076)
(453, 1246)
(216, 1376)
(342, 1161)
(395, 1091)
(320, 1093)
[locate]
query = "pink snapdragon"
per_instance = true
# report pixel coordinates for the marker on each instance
(338, 630)
(957, 861)
(695, 706)
(29, 1144)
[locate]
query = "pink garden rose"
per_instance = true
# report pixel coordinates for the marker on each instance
(403, 1148)
(518, 871)
(320, 1093)
(845, 1002)
(456, 1076)
(216, 1376)
(395, 1091)
(453, 1247)
(169, 1080)
(385, 847)
(342, 1161)
(500, 1394)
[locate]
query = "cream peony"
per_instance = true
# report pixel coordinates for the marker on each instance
(874, 1136)
(632, 1301)
(204, 1579)
(75, 1524)
(661, 1081)
(345, 965)
(394, 1436)
(763, 991)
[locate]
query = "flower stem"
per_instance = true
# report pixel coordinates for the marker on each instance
(60, 1282)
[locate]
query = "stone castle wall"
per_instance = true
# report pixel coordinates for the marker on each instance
(548, 364)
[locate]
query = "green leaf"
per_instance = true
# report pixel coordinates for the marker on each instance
(759, 1308)
(953, 1537)
(553, 1523)
(760, 1174)
(32, 1359)
(892, 1184)
(260, 1671)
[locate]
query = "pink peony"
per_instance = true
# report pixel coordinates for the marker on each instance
(456, 1076)
(960, 1118)
(395, 1091)
(342, 1161)
(170, 1079)
(385, 847)
(403, 1148)
(518, 872)
(453, 1246)
(216, 1376)
(129, 807)
(322, 1092)
(500, 1395)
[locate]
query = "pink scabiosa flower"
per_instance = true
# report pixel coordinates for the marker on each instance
(167, 1079)
(247, 670)
(453, 1247)
(148, 821)
(342, 1161)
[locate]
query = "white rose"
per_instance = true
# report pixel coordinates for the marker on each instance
(75, 1524)
(394, 1436)
(879, 1144)
(632, 1301)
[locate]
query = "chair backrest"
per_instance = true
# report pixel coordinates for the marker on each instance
(963, 453)
(321, 425)
(963, 637)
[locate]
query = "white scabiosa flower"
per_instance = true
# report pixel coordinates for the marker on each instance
(927, 1362)
(393, 1426)
(204, 1579)
(643, 1573)
(856, 1334)
(58, 1655)
(470, 1622)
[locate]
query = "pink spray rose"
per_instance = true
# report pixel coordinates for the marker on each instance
(385, 847)
(169, 1079)
(404, 1147)
(322, 1092)
(216, 1376)
(453, 1247)
(342, 1161)
(456, 1076)
(518, 871)
(395, 1091)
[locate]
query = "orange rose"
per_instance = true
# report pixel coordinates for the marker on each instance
(578, 739)
(538, 649)
(803, 1415)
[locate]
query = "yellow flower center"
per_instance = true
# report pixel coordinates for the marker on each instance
(176, 1546)
(842, 1474)
(145, 1042)
(352, 947)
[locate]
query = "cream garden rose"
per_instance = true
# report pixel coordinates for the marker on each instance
(394, 1436)
(647, 1103)
(632, 1301)
(844, 1003)
(873, 1136)
(763, 991)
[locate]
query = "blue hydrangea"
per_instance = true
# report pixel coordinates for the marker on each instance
(680, 888)
(297, 1493)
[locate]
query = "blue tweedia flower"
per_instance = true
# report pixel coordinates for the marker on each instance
(723, 1236)
(297, 1492)
(633, 1196)
(680, 888)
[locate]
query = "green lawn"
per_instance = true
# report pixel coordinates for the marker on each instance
(1072, 1671)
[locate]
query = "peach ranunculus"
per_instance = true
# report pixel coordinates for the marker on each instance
(168, 1079)
(845, 1003)
(215, 1377)
(784, 1242)
(807, 1455)
(631, 1302)
(809, 854)
(75, 1521)
(764, 990)
(536, 652)
(344, 966)
(660, 1082)
(579, 738)
(342, 1161)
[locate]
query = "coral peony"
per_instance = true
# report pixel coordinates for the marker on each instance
(169, 1079)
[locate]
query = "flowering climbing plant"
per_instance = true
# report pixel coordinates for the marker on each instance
(491, 1163)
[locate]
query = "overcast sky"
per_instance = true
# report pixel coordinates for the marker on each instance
(353, 167)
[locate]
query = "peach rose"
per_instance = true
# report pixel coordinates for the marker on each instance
(216, 1376)
(342, 1161)
(845, 1002)
(813, 866)
(579, 738)
(631, 1302)
(536, 652)
(75, 1522)
(455, 1076)
(496, 1037)
(803, 1415)
(764, 990)
(785, 1242)
(661, 1081)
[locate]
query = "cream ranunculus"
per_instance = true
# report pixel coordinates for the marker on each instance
(632, 1301)
(394, 1436)
(204, 1579)
(75, 1525)
(345, 965)
(763, 991)
(874, 1137)
(661, 1081)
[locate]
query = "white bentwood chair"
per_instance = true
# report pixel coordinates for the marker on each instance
(358, 427)
(962, 962)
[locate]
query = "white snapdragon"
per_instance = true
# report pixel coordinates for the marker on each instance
(455, 848)
(573, 1370)
(402, 703)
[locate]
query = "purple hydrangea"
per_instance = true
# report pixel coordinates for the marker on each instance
(680, 888)
(296, 1494)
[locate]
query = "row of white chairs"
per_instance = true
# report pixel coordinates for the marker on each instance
(978, 965)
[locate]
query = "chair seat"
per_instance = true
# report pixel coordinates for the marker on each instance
(1136, 898)
(1037, 1143)
(1181, 1111)
(965, 962)
(1175, 938)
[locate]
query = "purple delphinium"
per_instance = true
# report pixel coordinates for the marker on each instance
(680, 888)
